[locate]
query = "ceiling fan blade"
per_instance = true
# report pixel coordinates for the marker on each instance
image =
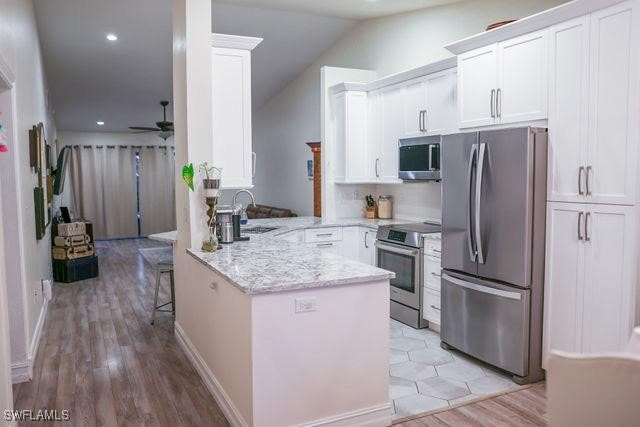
(143, 128)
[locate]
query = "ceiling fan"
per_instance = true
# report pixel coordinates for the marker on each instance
(164, 127)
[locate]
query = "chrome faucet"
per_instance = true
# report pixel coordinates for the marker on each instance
(235, 197)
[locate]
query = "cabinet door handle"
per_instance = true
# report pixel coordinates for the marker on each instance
(434, 307)
(587, 173)
(586, 227)
(499, 102)
(366, 243)
(377, 174)
(580, 215)
(434, 274)
(424, 120)
(253, 164)
(324, 234)
(420, 121)
(492, 104)
(580, 171)
(324, 245)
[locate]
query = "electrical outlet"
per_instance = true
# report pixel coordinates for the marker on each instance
(304, 305)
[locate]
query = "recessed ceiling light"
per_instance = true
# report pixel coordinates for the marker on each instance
(112, 37)
(100, 123)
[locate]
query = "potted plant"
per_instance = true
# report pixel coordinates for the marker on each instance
(211, 182)
(371, 206)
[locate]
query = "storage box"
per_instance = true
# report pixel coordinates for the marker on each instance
(72, 229)
(71, 240)
(72, 252)
(74, 270)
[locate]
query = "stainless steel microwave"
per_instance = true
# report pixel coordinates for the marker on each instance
(419, 158)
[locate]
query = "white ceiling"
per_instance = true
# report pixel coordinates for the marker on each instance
(121, 83)
(91, 79)
(352, 9)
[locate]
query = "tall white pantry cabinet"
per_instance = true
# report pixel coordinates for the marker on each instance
(592, 233)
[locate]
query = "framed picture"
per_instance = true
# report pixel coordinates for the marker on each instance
(310, 169)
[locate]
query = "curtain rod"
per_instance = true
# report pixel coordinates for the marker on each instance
(121, 146)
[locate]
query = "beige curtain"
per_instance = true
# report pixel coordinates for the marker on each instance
(157, 190)
(103, 182)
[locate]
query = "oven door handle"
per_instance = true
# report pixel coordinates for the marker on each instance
(397, 250)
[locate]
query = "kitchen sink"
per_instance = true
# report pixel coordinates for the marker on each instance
(257, 229)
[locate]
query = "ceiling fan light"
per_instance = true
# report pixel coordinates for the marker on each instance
(165, 134)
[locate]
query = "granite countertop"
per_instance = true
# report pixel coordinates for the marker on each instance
(167, 236)
(267, 263)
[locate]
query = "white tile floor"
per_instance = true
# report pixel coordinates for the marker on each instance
(424, 377)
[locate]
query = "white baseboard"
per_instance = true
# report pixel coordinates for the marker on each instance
(229, 410)
(375, 416)
(35, 340)
(23, 371)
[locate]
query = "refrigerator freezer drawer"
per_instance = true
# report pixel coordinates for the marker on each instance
(486, 320)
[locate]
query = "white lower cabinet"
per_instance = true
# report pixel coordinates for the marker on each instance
(296, 236)
(431, 305)
(334, 247)
(432, 271)
(590, 277)
(367, 245)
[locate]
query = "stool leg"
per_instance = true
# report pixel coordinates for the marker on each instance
(173, 293)
(155, 299)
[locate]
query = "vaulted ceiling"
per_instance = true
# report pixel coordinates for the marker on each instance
(91, 79)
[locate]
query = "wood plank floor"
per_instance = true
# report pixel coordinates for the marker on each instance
(100, 358)
(518, 408)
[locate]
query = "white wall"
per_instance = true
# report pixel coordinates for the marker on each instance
(20, 52)
(386, 45)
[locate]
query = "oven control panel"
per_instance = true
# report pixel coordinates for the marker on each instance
(397, 236)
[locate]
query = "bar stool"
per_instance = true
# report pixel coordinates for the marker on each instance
(163, 267)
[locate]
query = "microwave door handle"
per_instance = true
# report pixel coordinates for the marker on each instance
(472, 156)
(431, 158)
(480, 170)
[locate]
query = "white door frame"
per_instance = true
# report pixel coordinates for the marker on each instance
(7, 82)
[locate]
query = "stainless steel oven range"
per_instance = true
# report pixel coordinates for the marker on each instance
(400, 248)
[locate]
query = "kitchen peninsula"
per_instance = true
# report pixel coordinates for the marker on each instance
(285, 333)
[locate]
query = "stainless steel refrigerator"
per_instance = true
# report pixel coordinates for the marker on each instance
(493, 232)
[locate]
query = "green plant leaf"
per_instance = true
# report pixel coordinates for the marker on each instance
(188, 174)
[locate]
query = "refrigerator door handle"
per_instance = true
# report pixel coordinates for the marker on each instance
(483, 289)
(472, 157)
(480, 170)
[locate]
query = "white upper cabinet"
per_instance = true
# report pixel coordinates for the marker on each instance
(613, 106)
(232, 138)
(414, 108)
(392, 130)
(521, 94)
(440, 115)
(477, 84)
(349, 112)
(375, 139)
(504, 82)
(593, 95)
(568, 109)
(368, 120)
